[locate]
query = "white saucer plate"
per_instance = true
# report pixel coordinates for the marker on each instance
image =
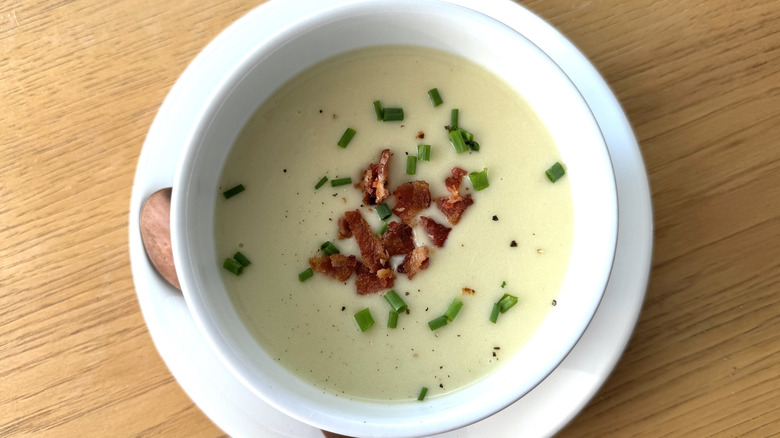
(542, 412)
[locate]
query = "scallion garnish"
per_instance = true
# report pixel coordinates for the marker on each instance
(340, 182)
(433, 93)
(457, 142)
(321, 182)
(234, 191)
(383, 229)
(479, 179)
(454, 119)
(329, 248)
(453, 310)
(383, 211)
(411, 165)
(233, 266)
(380, 114)
(423, 392)
(392, 114)
(364, 319)
(494, 313)
(423, 152)
(506, 302)
(396, 302)
(346, 137)
(392, 319)
(555, 172)
(240, 258)
(467, 136)
(305, 275)
(503, 284)
(437, 323)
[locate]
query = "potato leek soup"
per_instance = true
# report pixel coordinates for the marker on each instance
(394, 223)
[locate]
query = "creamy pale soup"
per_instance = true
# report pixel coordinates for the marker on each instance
(515, 238)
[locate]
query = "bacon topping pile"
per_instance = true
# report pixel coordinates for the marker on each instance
(337, 266)
(436, 231)
(375, 180)
(374, 273)
(414, 262)
(454, 205)
(410, 199)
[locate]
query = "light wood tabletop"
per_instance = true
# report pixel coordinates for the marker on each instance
(81, 81)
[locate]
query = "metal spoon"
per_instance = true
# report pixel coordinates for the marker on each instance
(155, 224)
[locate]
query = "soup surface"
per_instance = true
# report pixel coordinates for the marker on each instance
(515, 238)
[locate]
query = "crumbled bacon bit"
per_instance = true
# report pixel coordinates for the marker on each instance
(410, 199)
(420, 134)
(343, 229)
(368, 282)
(436, 231)
(337, 266)
(454, 205)
(398, 239)
(414, 262)
(372, 252)
(469, 291)
(375, 180)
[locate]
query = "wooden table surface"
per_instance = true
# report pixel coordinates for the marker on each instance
(81, 81)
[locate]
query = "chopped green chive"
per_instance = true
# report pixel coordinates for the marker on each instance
(555, 172)
(411, 165)
(383, 211)
(454, 119)
(233, 266)
(329, 248)
(364, 319)
(457, 142)
(396, 302)
(506, 302)
(494, 313)
(234, 191)
(437, 323)
(423, 152)
(346, 137)
(305, 275)
(433, 94)
(503, 284)
(423, 393)
(479, 180)
(392, 319)
(380, 114)
(382, 229)
(321, 182)
(453, 310)
(467, 136)
(340, 182)
(240, 258)
(392, 114)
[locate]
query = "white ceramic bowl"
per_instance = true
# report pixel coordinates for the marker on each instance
(361, 24)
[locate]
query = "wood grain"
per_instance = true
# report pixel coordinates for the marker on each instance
(82, 80)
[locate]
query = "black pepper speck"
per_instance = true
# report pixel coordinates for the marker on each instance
(513, 244)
